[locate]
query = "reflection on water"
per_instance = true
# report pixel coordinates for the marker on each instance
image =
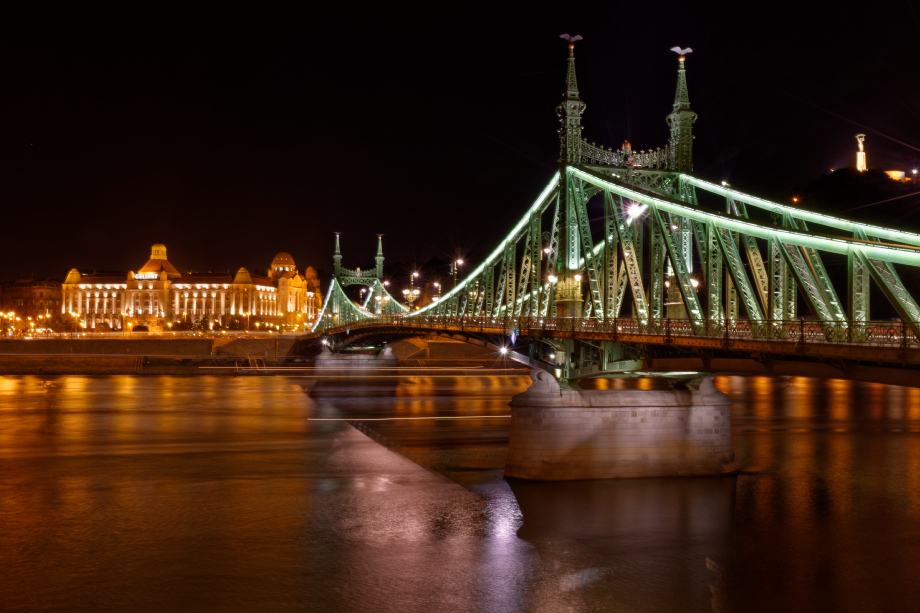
(178, 493)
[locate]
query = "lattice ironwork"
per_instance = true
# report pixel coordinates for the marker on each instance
(652, 197)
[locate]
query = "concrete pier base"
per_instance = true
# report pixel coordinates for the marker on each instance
(561, 434)
(354, 374)
(356, 362)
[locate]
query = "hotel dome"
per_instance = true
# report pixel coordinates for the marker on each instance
(283, 259)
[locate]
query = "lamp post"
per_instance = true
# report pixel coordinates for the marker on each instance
(411, 294)
(457, 264)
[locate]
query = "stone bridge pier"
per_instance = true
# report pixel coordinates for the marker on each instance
(559, 434)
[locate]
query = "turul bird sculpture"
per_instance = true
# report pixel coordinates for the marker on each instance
(680, 51)
(571, 39)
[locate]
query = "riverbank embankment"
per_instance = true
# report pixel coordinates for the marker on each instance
(219, 356)
(143, 355)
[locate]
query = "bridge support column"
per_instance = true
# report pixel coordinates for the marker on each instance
(561, 434)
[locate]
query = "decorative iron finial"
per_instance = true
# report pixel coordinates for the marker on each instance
(570, 111)
(681, 118)
(681, 98)
(337, 257)
(571, 83)
(379, 258)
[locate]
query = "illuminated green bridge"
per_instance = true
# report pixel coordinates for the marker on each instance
(676, 273)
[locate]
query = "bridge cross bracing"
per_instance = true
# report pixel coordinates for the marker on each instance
(670, 254)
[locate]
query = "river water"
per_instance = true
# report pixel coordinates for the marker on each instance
(245, 494)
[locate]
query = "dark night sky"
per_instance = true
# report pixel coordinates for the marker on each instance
(234, 133)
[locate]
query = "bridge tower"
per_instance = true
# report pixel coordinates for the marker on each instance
(347, 276)
(681, 120)
(337, 258)
(568, 289)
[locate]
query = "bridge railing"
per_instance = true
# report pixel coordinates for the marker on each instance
(874, 333)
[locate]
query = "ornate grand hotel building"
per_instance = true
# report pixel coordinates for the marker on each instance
(158, 295)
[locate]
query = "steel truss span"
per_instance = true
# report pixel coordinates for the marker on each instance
(623, 244)
(750, 274)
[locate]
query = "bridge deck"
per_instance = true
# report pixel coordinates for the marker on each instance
(890, 342)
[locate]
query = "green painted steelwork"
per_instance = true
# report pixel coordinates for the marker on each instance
(653, 192)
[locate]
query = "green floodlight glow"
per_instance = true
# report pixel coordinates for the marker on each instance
(907, 238)
(887, 253)
(539, 206)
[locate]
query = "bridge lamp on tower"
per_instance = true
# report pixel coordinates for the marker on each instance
(634, 210)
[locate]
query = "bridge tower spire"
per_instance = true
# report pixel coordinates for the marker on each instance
(337, 258)
(570, 111)
(568, 287)
(681, 118)
(379, 258)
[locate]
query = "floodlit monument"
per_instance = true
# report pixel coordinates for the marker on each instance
(861, 154)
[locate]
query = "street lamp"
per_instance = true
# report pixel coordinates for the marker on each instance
(456, 265)
(411, 294)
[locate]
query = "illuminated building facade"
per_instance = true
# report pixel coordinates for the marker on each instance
(30, 297)
(158, 295)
